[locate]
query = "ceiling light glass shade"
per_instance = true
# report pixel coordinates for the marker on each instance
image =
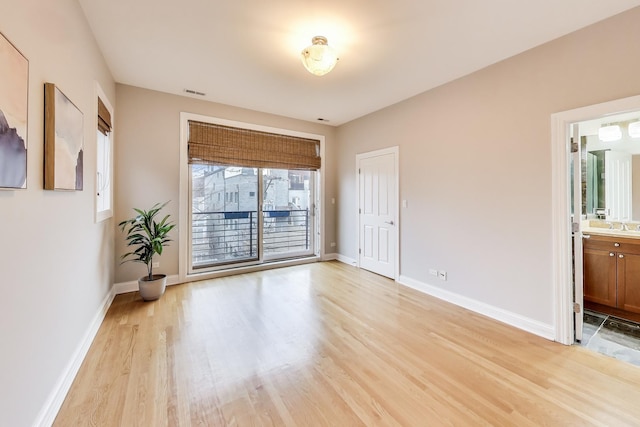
(610, 133)
(634, 130)
(319, 58)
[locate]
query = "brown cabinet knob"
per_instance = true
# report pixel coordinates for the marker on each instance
(620, 256)
(617, 245)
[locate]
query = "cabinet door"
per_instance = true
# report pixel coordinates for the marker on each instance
(629, 282)
(600, 276)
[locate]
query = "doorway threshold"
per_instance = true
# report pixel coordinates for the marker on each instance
(232, 270)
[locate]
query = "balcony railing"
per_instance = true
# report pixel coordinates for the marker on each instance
(224, 237)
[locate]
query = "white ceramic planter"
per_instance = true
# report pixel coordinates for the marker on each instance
(152, 289)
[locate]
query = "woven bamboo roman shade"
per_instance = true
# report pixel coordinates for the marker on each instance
(104, 118)
(224, 145)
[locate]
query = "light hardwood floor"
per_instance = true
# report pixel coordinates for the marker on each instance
(327, 344)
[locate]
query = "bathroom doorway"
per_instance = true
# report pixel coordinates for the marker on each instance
(598, 227)
(608, 179)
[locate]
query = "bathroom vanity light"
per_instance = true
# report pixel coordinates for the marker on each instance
(634, 129)
(610, 133)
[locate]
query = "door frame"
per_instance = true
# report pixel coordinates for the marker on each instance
(395, 150)
(561, 206)
(578, 257)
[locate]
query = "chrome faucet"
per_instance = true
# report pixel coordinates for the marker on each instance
(610, 224)
(624, 226)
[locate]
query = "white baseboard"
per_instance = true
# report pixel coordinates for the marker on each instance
(330, 257)
(49, 411)
(132, 286)
(533, 326)
(346, 260)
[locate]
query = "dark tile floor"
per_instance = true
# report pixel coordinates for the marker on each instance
(611, 336)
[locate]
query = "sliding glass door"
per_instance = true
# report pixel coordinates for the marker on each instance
(242, 215)
(224, 215)
(287, 201)
(252, 194)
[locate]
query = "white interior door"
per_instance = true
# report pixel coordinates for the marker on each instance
(578, 282)
(377, 212)
(617, 182)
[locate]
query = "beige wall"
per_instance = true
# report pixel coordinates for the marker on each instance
(147, 159)
(56, 264)
(475, 165)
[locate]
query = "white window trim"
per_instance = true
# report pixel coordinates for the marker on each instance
(183, 240)
(107, 213)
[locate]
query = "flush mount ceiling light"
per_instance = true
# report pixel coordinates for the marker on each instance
(634, 129)
(610, 133)
(319, 58)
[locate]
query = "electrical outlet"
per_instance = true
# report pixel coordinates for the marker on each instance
(433, 272)
(333, 244)
(156, 264)
(442, 275)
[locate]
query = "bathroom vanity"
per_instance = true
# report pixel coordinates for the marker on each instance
(612, 270)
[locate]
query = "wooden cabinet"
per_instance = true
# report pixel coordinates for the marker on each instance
(612, 272)
(600, 276)
(629, 282)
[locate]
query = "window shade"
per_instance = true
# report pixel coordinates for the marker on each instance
(224, 145)
(104, 118)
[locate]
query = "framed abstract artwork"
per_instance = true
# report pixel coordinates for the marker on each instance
(63, 141)
(14, 97)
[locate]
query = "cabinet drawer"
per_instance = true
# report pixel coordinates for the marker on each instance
(612, 243)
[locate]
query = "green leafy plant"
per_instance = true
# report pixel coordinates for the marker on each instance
(149, 236)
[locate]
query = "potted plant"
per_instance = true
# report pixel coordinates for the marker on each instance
(149, 237)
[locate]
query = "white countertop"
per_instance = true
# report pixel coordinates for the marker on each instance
(631, 234)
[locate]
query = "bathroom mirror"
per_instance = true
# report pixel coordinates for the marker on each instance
(611, 171)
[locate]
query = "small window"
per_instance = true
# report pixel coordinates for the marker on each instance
(104, 159)
(252, 194)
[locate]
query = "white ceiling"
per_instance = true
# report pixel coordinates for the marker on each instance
(245, 53)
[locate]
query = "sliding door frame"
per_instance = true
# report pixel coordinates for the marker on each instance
(184, 221)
